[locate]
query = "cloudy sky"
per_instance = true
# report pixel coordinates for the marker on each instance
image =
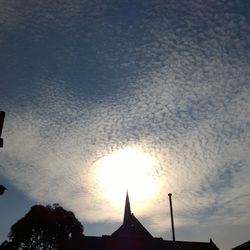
(83, 80)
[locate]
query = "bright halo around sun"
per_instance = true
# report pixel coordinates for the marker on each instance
(127, 169)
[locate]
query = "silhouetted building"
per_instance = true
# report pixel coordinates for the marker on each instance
(244, 246)
(132, 235)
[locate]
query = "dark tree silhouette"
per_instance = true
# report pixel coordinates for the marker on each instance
(6, 245)
(50, 227)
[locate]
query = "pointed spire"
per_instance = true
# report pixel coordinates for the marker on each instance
(127, 211)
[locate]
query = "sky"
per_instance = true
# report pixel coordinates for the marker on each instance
(83, 80)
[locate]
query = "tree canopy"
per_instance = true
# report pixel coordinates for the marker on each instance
(46, 227)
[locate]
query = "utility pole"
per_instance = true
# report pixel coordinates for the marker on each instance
(171, 214)
(2, 115)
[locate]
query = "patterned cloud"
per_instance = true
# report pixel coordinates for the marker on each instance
(84, 79)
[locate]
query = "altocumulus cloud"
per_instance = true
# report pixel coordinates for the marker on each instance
(170, 77)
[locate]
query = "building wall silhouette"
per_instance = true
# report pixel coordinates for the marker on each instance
(132, 235)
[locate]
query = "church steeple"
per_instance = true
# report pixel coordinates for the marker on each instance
(131, 227)
(127, 210)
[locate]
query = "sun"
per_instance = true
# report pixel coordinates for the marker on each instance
(127, 169)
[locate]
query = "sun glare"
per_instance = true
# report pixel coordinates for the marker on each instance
(127, 169)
